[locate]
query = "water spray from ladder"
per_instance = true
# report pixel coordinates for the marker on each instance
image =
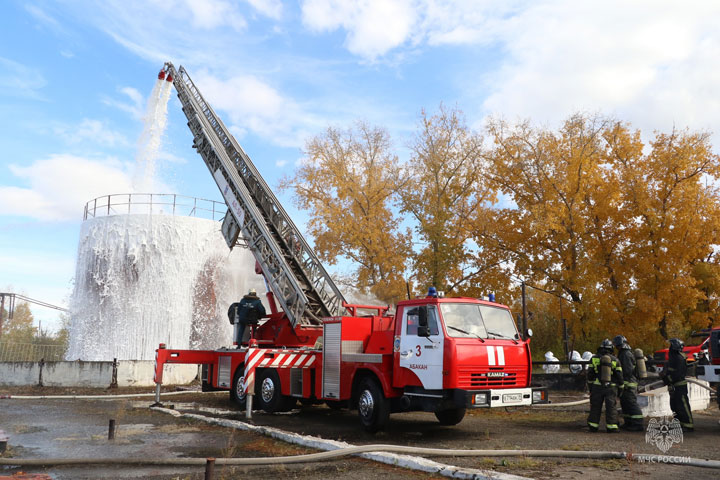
(150, 141)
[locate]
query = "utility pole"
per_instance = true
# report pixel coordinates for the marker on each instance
(2, 309)
(524, 313)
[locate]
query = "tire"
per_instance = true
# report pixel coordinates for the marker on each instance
(452, 416)
(269, 393)
(373, 407)
(237, 394)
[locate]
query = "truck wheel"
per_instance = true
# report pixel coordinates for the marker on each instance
(373, 408)
(270, 397)
(237, 393)
(452, 416)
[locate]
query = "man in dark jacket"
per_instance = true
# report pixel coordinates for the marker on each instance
(247, 311)
(674, 378)
(604, 375)
(628, 390)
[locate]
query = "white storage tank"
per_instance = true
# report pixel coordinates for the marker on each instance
(154, 269)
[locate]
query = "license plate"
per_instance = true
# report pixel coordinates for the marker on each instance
(512, 398)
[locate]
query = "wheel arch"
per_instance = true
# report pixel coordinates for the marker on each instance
(375, 374)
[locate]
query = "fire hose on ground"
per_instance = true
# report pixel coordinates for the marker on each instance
(355, 450)
(96, 397)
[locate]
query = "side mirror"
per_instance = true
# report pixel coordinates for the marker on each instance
(529, 333)
(423, 330)
(422, 317)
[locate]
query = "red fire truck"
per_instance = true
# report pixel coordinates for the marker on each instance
(434, 354)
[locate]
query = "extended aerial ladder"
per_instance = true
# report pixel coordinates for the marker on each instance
(297, 279)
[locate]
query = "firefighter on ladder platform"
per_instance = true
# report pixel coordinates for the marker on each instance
(628, 389)
(604, 375)
(674, 378)
(245, 312)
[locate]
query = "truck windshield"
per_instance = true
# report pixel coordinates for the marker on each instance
(479, 321)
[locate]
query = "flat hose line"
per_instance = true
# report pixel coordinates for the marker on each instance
(348, 451)
(96, 397)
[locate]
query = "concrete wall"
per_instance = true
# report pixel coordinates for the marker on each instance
(130, 373)
(656, 403)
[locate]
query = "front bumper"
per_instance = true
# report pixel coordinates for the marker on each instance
(505, 397)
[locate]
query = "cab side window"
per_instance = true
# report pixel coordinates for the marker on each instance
(413, 320)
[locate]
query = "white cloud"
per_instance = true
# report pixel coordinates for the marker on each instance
(210, 14)
(136, 105)
(269, 8)
(17, 79)
(61, 185)
(647, 62)
(374, 27)
(91, 131)
(255, 106)
(44, 19)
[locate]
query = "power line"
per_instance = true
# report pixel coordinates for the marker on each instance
(33, 301)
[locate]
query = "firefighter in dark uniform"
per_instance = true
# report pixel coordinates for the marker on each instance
(628, 390)
(674, 377)
(247, 311)
(604, 375)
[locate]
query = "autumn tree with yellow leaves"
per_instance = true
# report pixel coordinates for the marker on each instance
(621, 229)
(348, 180)
(446, 187)
(618, 233)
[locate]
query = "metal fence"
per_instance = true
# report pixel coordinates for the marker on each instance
(30, 352)
(154, 204)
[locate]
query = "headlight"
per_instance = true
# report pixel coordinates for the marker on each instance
(480, 399)
(538, 396)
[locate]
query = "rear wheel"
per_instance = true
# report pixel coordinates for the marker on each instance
(270, 397)
(373, 407)
(237, 392)
(452, 416)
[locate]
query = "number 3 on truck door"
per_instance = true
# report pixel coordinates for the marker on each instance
(422, 355)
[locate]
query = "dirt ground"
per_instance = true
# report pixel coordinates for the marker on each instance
(78, 428)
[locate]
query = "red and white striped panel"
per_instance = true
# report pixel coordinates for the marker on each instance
(255, 357)
(252, 358)
(155, 372)
(289, 360)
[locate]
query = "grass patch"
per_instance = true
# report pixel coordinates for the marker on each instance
(611, 465)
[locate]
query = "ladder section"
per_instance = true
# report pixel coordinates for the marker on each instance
(301, 285)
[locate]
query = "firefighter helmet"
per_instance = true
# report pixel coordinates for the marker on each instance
(606, 345)
(676, 344)
(620, 342)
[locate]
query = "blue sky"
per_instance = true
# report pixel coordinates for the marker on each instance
(75, 77)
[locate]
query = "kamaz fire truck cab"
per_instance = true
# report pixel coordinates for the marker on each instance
(464, 346)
